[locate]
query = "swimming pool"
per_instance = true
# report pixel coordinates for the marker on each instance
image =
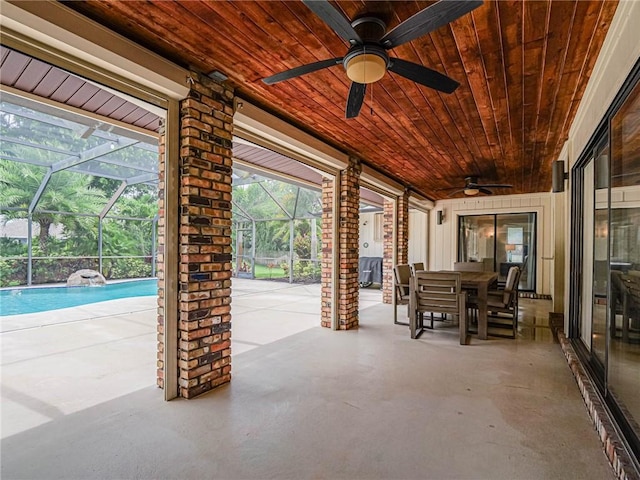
(17, 301)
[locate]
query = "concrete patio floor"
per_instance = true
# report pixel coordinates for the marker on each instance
(58, 362)
(309, 403)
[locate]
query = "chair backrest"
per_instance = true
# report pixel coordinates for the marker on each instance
(402, 275)
(468, 266)
(511, 287)
(436, 292)
(633, 286)
(416, 267)
(488, 264)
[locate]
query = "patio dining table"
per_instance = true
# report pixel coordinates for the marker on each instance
(479, 282)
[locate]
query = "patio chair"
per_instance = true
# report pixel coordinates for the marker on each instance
(502, 305)
(468, 266)
(416, 267)
(436, 292)
(625, 294)
(401, 276)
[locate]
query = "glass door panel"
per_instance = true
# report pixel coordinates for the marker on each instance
(623, 374)
(476, 240)
(500, 241)
(587, 255)
(600, 252)
(515, 246)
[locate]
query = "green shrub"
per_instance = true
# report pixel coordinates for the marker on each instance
(118, 268)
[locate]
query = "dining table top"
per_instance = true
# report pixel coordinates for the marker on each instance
(476, 277)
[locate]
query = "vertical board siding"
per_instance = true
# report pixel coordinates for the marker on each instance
(444, 239)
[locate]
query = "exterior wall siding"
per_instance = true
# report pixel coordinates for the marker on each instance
(443, 239)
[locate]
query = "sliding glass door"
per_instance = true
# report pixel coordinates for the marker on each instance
(605, 296)
(500, 242)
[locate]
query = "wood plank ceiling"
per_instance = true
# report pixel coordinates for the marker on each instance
(522, 65)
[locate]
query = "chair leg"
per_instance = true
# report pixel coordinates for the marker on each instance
(395, 317)
(463, 325)
(415, 324)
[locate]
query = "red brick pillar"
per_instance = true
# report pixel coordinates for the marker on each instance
(204, 321)
(403, 228)
(395, 213)
(326, 275)
(388, 210)
(348, 247)
(160, 257)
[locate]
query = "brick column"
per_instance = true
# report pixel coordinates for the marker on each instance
(402, 241)
(326, 275)
(204, 322)
(388, 209)
(160, 257)
(348, 247)
(402, 227)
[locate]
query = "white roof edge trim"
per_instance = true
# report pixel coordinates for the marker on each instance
(54, 24)
(261, 124)
(379, 180)
(29, 100)
(419, 202)
(283, 177)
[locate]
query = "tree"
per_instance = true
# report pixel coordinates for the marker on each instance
(65, 191)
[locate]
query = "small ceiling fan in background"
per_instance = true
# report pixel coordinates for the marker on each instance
(472, 187)
(367, 60)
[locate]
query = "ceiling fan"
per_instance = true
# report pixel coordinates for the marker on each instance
(472, 187)
(367, 59)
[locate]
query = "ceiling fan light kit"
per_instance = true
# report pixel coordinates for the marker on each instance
(471, 191)
(367, 60)
(365, 67)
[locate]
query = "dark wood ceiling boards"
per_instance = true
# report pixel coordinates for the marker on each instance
(522, 65)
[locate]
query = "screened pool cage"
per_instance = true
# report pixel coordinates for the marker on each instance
(78, 193)
(276, 228)
(74, 193)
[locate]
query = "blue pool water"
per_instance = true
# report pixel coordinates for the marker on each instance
(40, 299)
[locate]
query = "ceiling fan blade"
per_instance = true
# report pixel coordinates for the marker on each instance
(423, 75)
(335, 19)
(428, 20)
(485, 191)
(496, 185)
(356, 99)
(456, 192)
(302, 70)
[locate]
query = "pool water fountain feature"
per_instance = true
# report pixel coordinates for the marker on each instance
(86, 278)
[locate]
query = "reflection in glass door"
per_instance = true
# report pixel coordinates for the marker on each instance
(500, 242)
(623, 356)
(600, 252)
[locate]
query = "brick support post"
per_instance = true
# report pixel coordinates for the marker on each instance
(326, 275)
(348, 247)
(160, 257)
(388, 216)
(403, 228)
(401, 209)
(204, 318)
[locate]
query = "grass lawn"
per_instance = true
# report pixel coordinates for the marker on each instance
(263, 271)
